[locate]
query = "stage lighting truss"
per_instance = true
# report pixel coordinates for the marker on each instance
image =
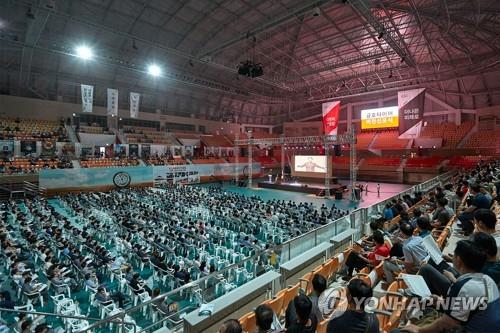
(342, 139)
(347, 138)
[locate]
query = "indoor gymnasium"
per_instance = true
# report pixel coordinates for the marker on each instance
(249, 166)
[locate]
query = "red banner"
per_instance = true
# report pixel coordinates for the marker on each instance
(331, 112)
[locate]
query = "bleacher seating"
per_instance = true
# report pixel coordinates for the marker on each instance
(263, 135)
(266, 161)
(424, 162)
(165, 160)
(137, 134)
(381, 161)
(467, 161)
(232, 136)
(241, 159)
(91, 129)
(29, 129)
(450, 132)
(364, 139)
(215, 141)
(31, 165)
(207, 160)
(389, 140)
(483, 139)
(108, 162)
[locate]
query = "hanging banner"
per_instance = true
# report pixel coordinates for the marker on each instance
(145, 151)
(112, 102)
(120, 150)
(87, 98)
(133, 150)
(7, 146)
(28, 147)
(331, 112)
(411, 112)
(48, 147)
(134, 104)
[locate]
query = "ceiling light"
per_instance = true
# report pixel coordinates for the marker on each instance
(84, 52)
(154, 70)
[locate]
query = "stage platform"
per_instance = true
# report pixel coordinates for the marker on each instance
(302, 187)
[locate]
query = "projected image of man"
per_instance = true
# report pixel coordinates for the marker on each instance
(310, 165)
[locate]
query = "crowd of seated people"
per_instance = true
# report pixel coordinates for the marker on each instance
(89, 162)
(321, 302)
(37, 130)
(33, 164)
(82, 242)
(165, 159)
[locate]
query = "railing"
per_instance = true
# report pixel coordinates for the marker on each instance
(34, 189)
(57, 315)
(359, 218)
(288, 250)
(197, 290)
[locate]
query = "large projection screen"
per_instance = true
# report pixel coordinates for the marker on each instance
(309, 166)
(380, 118)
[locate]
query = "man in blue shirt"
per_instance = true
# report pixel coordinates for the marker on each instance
(414, 253)
(469, 260)
(388, 214)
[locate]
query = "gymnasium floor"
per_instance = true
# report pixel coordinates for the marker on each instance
(387, 190)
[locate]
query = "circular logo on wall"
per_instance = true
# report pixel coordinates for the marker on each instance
(121, 179)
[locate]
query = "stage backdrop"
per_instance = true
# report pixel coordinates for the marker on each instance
(105, 179)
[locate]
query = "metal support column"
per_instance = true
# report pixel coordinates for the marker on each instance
(250, 157)
(237, 155)
(352, 162)
(282, 156)
(328, 169)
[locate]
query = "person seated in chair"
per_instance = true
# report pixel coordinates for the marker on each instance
(306, 321)
(373, 258)
(355, 319)
(106, 298)
(137, 284)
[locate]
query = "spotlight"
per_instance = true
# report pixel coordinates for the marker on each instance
(84, 52)
(316, 12)
(154, 70)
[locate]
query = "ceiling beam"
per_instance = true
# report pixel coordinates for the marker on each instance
(394, 40)
(291, 15)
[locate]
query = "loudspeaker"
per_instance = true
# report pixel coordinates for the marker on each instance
(337, 149)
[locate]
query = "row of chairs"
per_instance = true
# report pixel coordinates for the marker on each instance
(388, 318)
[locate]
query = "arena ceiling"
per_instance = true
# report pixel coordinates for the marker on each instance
(310, 51)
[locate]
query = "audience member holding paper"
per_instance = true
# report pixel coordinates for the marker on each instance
(478, 289)
(437, 273)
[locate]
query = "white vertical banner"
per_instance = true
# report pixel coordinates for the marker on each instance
(112, 102)
(134, 104)
(87, 97)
